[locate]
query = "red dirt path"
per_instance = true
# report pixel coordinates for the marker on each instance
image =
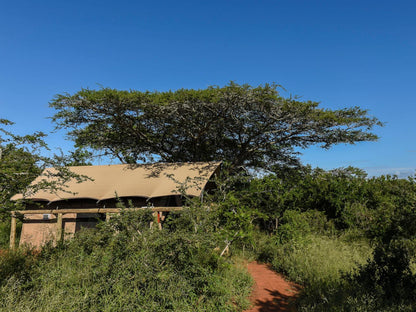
(272, 293)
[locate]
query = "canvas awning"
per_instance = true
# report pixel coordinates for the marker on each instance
(144, 180)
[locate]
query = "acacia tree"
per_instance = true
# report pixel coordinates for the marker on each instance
(243, 125)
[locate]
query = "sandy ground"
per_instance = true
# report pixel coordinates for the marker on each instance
(272, 293)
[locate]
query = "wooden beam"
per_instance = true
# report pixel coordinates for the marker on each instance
(59, 227)
(13, 231)
(94, 210)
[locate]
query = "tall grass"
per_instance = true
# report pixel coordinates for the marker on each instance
(319, 259)
(317, 262)
(4, 234)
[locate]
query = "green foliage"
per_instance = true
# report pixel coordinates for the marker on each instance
(388, 274)
(318, 264)
(339, 273)
(17, 169)
(395, 213)
(320, 259)
(296, 225)
(340, 195)
(125, 265)
(310, 224)
(267, 197)
(19, 164)
(387, 277)
(320, 226)
(244, 125)
(383, 283)
(345, 195)
(5, 232)
(16, 264)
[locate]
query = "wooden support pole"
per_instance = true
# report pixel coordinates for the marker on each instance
(13, 231)
(107, 216)
(59, 227)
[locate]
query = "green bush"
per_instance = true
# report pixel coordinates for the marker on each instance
(345, 195)
(4, 234)
(296, 225)
(16, 264)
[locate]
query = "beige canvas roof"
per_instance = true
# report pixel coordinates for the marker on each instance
(145, 180)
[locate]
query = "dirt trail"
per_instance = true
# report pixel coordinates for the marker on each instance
(272, 293)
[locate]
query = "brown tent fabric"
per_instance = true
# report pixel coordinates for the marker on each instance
(142, 180)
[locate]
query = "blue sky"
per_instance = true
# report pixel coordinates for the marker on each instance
(341, 53)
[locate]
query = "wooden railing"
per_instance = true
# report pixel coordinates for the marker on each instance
(60, 212)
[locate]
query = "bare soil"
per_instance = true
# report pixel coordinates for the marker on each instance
(271, 293)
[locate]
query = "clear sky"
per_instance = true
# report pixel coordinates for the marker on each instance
(341, 53)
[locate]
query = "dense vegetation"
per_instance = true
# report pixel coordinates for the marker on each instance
(124, 265)
(347, 239)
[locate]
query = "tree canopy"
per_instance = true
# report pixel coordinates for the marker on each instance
(241, 124)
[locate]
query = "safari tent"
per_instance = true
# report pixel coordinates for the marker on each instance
(51, 215)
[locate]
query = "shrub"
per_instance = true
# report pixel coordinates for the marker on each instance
(16, 263)
(296, 225)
